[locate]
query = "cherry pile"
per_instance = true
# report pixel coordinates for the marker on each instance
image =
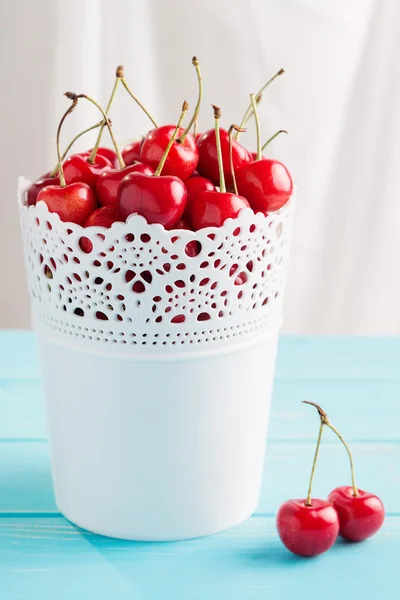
(170, 176)
(310, 526)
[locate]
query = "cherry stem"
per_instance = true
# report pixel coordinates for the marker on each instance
(272, 138)
(118, 74)
(231, 129)
(157, 172)
(308, 500)
(251, 113)
(325, 421)
(259, 94)
(68, 148)
(138, 101)
(258, 129)
(71, 96)
(65, 115)
(217, 116)
(353, 481)
(195, 116)
(195, 123)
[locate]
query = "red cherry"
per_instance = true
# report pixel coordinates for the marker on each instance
(307, 530)
(159, 199)
(197, 137)
(208, 157)
(108, 182)
(211, 209)
(108, 153)
(78, 169)
(104, 216)
(254, 156)
(182, 224)
(195, 186)
(131, 152)
(73, 203)
(39, 184)
(266, 184)
(182, 158)
(360, 516)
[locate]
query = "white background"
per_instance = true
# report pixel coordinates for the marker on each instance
(339, 99)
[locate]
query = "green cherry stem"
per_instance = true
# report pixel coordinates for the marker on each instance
(231, 129)
(195, 124)
(258, 129)
(132, 95)
(325, 421)
(65, 115)
(308, 500)
(272, 138)
(71, 96)
(72, 142)
(195, 116)
(259, 93)
(258, 100)
(119, 73)
(157, 172)
(217, 116)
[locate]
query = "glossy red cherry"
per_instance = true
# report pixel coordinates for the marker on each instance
(108, 182)
(182, 158)
(39, 184)
(195, 186)
(182, 224)
(208, 158)
(211, 209)
(360, 516)
(131, 152)
(159, 199)
(266, 183)
(108, 153)
(78, 168)
(307, 530)
(254, 156)
(73, 203)
(104, 216)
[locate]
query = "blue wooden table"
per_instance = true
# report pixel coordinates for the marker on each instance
(356, 380)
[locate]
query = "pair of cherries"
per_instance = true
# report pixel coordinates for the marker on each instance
(310, 526)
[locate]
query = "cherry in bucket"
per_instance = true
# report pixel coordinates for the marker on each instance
(310, 526)
(266, 183)
(183, 156)
(212, 208)
(73, 202)
(159, 198)
(52, 178)
(208, 156)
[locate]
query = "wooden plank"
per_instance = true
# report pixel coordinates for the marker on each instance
(299, 358)
(25, 479)
(18, 355)
(361, 409)
(48, 559)
(21, 409)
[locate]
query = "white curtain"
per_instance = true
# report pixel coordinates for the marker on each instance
(339, 99)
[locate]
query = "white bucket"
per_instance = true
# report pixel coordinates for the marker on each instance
(157, 392)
